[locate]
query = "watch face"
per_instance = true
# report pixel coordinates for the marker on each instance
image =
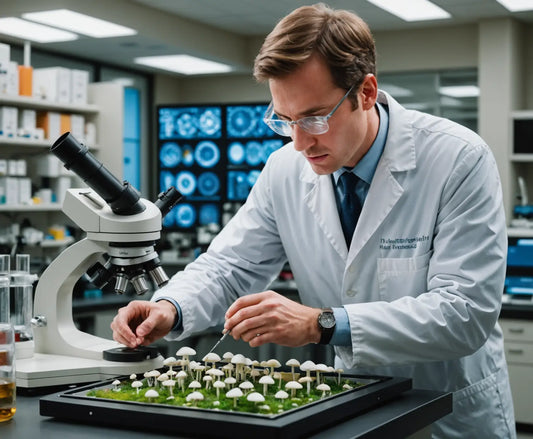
(327, 320)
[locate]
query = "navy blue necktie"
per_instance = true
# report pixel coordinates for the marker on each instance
(350, 205)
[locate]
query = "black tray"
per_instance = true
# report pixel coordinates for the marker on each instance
(196, 422)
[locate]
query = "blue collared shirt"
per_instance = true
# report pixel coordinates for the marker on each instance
(365, 170)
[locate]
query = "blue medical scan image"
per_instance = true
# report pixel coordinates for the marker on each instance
(193, 122)
(185, 215)
(208, 184)
(186, 183)
(236, 153)
(247, 121)
(207, 154)
(209, 214)
(170, 155)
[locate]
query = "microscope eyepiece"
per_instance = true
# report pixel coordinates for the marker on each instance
(121, 197)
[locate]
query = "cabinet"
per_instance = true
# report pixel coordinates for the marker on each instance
(518, 336)
(105, 110)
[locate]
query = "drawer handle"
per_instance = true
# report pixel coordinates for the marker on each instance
(516, 330)
(516, 351)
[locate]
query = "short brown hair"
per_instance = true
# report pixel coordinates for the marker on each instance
(340, 37)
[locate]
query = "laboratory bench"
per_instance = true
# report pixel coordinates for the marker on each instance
(409, 415)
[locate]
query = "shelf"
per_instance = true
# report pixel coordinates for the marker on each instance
(40, 104)
(53, 207)
(522, 157)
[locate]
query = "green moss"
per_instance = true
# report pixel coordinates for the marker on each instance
(127, 393)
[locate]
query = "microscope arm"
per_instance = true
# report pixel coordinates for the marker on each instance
(53, 301)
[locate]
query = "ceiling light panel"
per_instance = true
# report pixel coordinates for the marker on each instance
(517, 5)
(80, 23)
(460, 91)
(185, 64)
(412, 10)
(26, 30)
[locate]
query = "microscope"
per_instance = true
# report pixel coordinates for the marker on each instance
(121, 231)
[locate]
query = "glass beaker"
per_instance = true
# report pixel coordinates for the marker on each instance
(7, 372)
(4, 298)
(21, 296)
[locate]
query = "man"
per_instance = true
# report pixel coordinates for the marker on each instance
(415, 289)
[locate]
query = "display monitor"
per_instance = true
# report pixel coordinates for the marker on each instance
(519, 277)
(213, 155)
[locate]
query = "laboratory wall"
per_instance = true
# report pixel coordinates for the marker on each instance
(498, 48)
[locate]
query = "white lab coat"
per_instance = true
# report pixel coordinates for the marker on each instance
(422, 282)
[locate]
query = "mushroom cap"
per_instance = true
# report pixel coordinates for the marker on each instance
(246, 385)
(347, 387)
(273, 363)
(163, 377)
(293, 385)
(255, 397)
(181, 374)
(215, 372)
(211, 357)
(133, 376)
(195, 385)
(169, 383)
(169, 361)
(238, 359)
(305, 379)
(227, 355)
(230, 380)
(207, 378)
(234, 393)
(219, 384)
(194, 396)
(281, 394)
(136, 384)
(292, 363)
(323, 387)
(151, 393)
(307, 365)
(185, 350)
(266, 379)
(116, 382)
(321, 367)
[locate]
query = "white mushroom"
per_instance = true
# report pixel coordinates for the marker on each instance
(339, 373)
(239, 361)
(170, 384)
(151, 394)
(133, 377)
(347, 387)
(292, 363)
(273, 364)
(228, 368)
(170, 362)
(255, 397)
(207, 379)
(320, 368)
(195, 397)
(181, 375)
(212, 358)
(324, 388)
(230, 381)
(278, 376)
(266, 380)
(234, 393)
(293, 386)
(219, 385)
(281, 395)
(227, 356)
(195, 385)
(246, 386)
(307, 367)
(137, 385)
(116, 385)
(306, 380)
(185, 352)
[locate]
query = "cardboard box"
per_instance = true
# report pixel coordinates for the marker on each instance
(24, 190)
(10, 86)
(28, 120)
(52, 84)
(50, 122)
(77, 127)
(5, 59)
(64, 124)
(8, 121)
(9, 188)
(79, 86)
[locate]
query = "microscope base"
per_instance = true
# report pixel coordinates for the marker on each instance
(45, 370)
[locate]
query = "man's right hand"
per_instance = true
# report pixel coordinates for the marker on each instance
(142, 322)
